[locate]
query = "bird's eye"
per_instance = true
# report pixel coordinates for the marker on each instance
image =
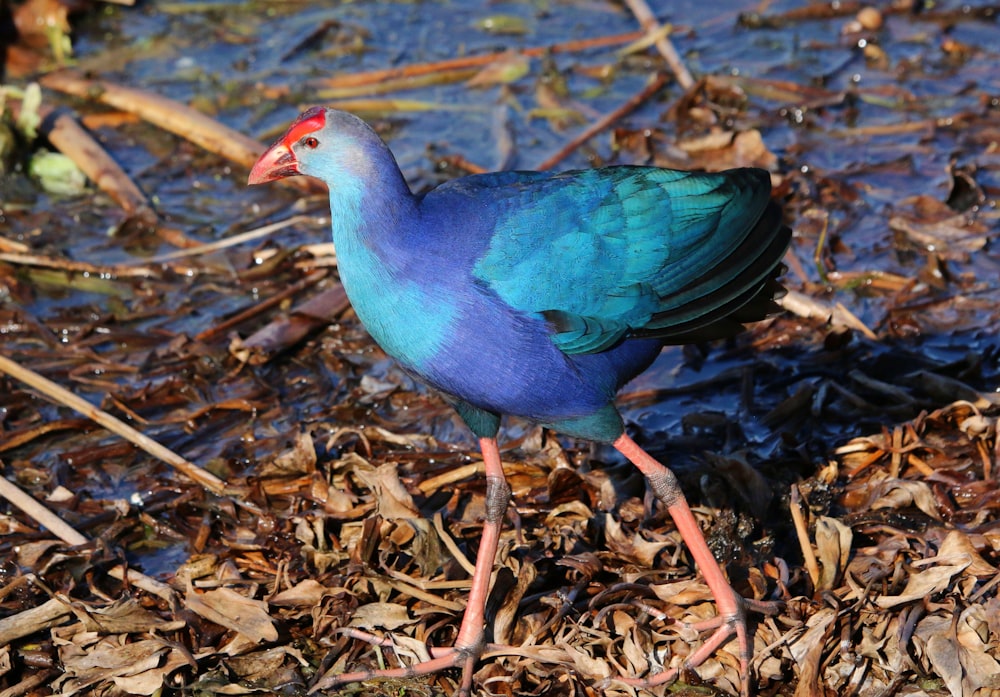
(310, 143)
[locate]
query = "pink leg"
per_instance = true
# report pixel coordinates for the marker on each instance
(732, 608)
(497, 496)
(470, 641)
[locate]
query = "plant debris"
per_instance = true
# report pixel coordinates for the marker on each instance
(219, 485)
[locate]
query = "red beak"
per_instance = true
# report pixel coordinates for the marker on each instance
(278, 161)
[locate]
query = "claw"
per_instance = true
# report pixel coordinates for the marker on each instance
(733, 609)
(470, 645)
(471, 641)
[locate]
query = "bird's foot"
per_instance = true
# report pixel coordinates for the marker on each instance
(732, 608)
(471, 640)
(726, 625)
(443, 658)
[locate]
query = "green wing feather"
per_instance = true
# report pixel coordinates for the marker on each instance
(605, 254)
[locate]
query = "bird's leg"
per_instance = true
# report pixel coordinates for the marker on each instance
(497, 497)
(732, 618)
(470, 642)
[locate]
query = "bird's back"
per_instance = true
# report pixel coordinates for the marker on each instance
(563, 287)
(611, 253)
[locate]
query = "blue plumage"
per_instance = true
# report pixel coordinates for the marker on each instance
(540, 295)
(606, 250)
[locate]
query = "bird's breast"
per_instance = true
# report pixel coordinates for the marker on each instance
(443, 326)
(408, 318)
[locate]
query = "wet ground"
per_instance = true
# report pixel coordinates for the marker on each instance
(882, 138)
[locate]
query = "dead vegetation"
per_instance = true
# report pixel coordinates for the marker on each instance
(846, 452)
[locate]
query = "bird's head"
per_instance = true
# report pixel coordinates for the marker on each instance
(331, 145)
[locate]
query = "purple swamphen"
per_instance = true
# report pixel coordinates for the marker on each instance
(539, 295)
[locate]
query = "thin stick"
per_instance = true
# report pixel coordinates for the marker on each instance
(233, 241)
(605, 121)
(896, 460)
(119, 271)
(456, 474)
(237, 319)
(40, 514)
(820, 246)
(68, 534)
(166, 113)
(802, 532)
(850, 319)
(49, 614)
(75, 141)
(649, 24)
(169, 115)
(13, 246)
(449, 542)
(63, 396)
(403, 585)
(377, 76)
(318, 311)
(29, 683)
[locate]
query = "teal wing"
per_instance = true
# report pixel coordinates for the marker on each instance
(606, 254)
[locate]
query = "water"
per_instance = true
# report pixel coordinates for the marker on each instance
(879, 142)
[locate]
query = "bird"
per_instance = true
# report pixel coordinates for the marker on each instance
(539, 295)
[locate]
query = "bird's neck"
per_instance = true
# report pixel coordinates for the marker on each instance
(371, 210)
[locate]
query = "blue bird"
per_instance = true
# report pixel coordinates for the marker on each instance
(540, 295)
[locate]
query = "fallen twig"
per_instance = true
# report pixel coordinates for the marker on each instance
(28, 684)
(605, 121)
(118, 271)
(802, 532)
(63, 396)
(802, 305)
(233, 241)
(256, 309)
(47, 615)
(74, 141)
(316, 312)
(375, 77)
(68, 534)
(650, 25)
(169, 115)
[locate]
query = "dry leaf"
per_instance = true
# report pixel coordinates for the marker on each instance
(137, 667)
(635, 646)
(388, 616)
(682, 593)
(299, 458)
(634, 547)
(923, 584)
(228, 608)
(307, 593)
(264, 667)
(901, 493)
(958, 654)
(957, 545)
(593, 668)
(833, 547)
(943, 239)
(126, 616)
(726, 149)
(818, 629)
(391, 497)
(505, 620)
(504, 70)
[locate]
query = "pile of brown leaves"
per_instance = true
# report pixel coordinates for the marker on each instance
(331, 527)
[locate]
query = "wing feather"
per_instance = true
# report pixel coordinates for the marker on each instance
(606, 254)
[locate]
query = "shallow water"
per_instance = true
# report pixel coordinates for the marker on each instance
(852, 162)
